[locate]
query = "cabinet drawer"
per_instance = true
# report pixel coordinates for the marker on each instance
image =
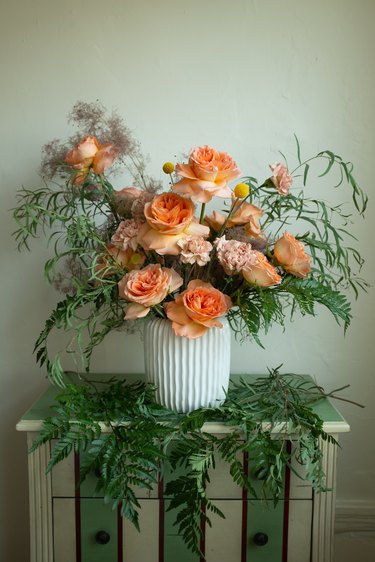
(90, 531)
(286, 529)
(221, 486)
(65, 477)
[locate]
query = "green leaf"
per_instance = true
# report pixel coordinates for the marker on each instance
(298, 149)
(305, 173)
(331, 161)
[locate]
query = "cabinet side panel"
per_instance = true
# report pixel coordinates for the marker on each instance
(143, 546)
(299, 541)
(40, 499)
(64, 533)
(221, 484)
(223, 539)
(324, 508)
(300, 488)
(63, 482)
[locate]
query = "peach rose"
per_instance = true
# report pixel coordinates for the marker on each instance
(169, 219)
(261, 272)
(246, 214)
(147, 287)
(290, 254)
(197, 309)
(206, 175)
(104, 158)
(280, 178)
(90, 154)
(82, 155)
(114, 258)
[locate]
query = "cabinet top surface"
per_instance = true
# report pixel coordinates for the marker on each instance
(42, 408)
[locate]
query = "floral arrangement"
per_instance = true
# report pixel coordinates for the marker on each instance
(149, 249)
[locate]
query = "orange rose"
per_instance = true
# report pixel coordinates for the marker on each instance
(169, 219)
(109, 262)
(147, 287)
(206, 174)
(246, 213)
(290, 254)
(197, 309)
(261, 273)
(83, 153)
(90, 154)
(104, 158)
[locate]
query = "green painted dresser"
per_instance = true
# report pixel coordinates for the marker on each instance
(69, 523)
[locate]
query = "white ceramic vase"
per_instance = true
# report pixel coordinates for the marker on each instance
(188, 373)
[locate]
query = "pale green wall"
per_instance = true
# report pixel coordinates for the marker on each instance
(241, 75)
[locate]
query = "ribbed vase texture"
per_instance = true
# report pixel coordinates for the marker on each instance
(188, 373)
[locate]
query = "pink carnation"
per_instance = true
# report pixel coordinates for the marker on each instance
(234, 255)
(195, 250)
(126, 235)
(280, 178)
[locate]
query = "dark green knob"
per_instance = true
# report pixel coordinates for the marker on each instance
(261, 473)
(260, 539)
(102, 537)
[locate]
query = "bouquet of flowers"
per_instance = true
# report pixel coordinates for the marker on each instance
(149, 249)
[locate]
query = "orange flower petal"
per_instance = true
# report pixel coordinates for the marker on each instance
(104, 158)
(175, 282)
(151, 239)
(185, 170)
(197, 229)
(135, 311)
(190, 331)
(176, 312)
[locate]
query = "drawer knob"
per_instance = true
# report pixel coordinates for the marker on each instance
(260, 539)
(261, 473)
(102, 537)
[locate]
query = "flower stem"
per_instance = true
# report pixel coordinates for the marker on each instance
(107, 192)
(202, 213)
(232, 211)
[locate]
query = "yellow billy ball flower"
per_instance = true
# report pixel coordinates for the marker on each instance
(241, 190)
(168, 168)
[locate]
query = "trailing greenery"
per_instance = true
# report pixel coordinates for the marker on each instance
(132, 441)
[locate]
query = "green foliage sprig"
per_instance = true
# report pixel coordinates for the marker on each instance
(133, 441)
